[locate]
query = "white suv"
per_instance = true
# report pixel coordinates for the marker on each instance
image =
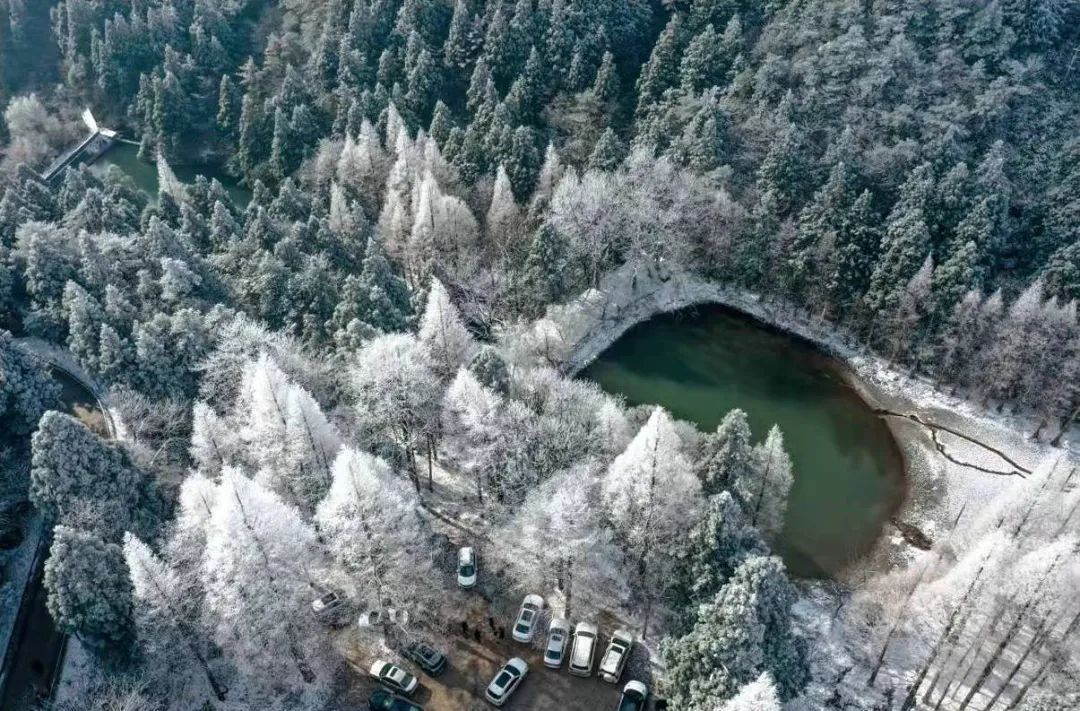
(618, 651)
(581, 658)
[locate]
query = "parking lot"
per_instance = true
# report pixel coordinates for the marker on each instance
(472, 666)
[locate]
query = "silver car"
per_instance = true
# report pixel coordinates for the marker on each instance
(506, 681)
(528, 615)
(555, 651)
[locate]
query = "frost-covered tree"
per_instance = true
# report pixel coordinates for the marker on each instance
(397, 394)
(443, 333)
(26, 390)
(713, 549)
(88, 586)
(370, 523)
(727, 454)
(561, 548)
(758, 695)
(744, 631)
(77, 475)
(257, 573)
(651, 498)
(167, 615)
(763, 488)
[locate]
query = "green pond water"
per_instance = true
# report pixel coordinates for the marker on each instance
(126, 157)
(702, 362)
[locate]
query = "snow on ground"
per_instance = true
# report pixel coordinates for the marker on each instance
(957, 453)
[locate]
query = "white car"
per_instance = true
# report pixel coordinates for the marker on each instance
(634, 696)
(466, 567)
(618, 651)
(555, 651)
(528, 615)
(394, 677)
(581, 657)
(506, 681)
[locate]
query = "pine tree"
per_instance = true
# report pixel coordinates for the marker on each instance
(728, 454)
(491, 370)
(701, 62)
(744, 631)
(661, 71)
(77, 475)
(26, 388)
(608, 153)
(715, 547)
(606, 85)
(544, 274)
(1061, 275)
(89, 590)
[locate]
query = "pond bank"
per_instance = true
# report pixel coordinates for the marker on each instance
(947, 443)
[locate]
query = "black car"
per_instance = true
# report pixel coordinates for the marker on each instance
(385, 701)
(430, 660)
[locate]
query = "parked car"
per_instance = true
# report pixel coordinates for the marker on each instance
(555, 651)
(506, 681)
(385, 701)
(614, 660)
(581, 657)
(466, 567)
(394, 677)
(331, 609)
(429, 659)
(525, 627)
(634, 696)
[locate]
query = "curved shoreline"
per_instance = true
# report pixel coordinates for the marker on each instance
(636, 293)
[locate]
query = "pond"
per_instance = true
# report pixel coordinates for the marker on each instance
(125, 156)
(700, 363)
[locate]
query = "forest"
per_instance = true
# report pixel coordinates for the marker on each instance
(297, 379)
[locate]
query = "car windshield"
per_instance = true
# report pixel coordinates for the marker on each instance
(527, 615)
(466, 570)
(503, 679)
(553, 653)
(631, 701)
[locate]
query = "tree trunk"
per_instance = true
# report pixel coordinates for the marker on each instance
(950, 625)
(907, 598)
(1009, 636)
(430, 474)
(1035, 436)
(1066, 425)
(1037, 641)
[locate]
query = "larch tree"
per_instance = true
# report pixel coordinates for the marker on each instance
(258, 572)
(442, 331)
(371, 526)
(651, 498)
(167, 615)
(560, 546)
(397, 394)
(758, 695)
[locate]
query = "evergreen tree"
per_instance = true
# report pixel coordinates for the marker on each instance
(661, 71)
(701, 62)
(744, 631)
(608, 153)
(728, 454)
(89, 589)
(606, 85)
